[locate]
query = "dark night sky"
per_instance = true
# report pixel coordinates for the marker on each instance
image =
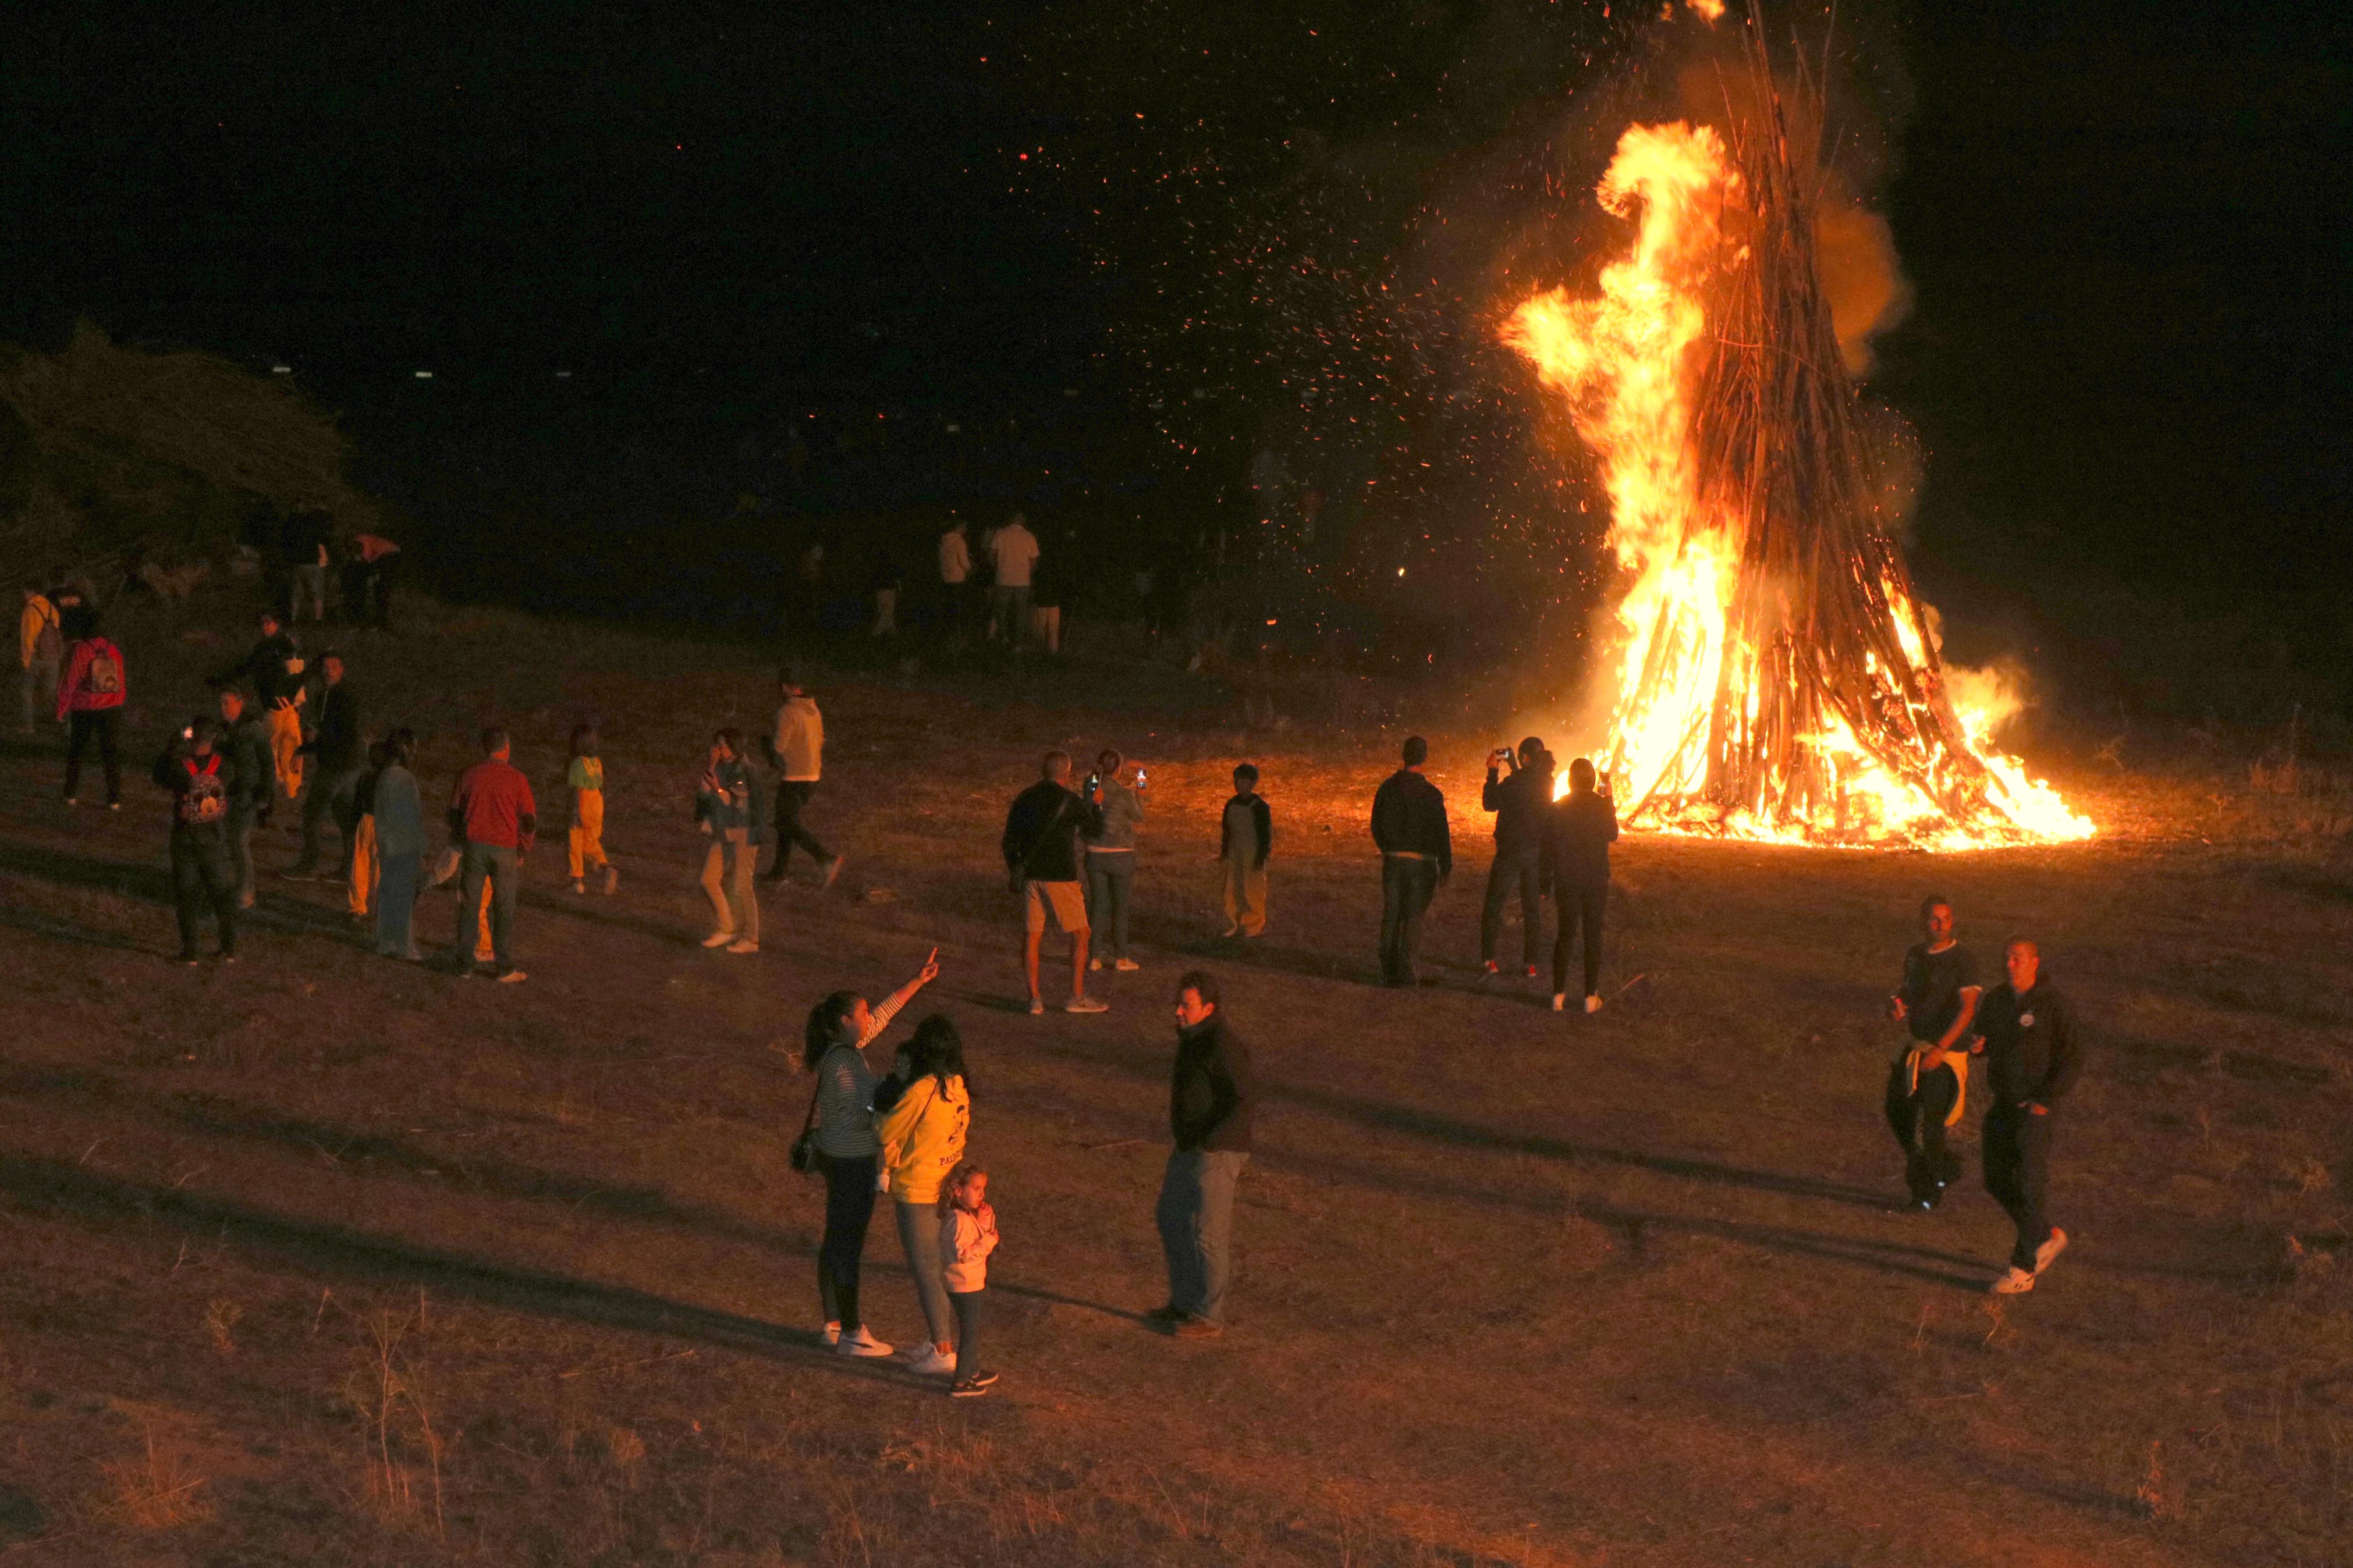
(2126, 225)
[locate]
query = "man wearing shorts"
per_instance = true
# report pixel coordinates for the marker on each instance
(1041, 863)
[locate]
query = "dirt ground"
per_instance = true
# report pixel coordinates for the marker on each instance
(329, 1259)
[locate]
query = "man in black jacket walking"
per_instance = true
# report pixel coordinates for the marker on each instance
(1521, 798)
(335, 750)
(2032, 1061)
(1041, 859)
(1583, 825)
(1417, 857)
(1210, 1118)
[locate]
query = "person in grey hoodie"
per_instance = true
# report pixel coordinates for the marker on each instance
(399, 849)
(1110, 859)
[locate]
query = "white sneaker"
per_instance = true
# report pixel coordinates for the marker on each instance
(1560, 1001)
(2016, 1282)
(1036, 1008)
(1593, 1004)
(1086, 1005)
(514, 977)
(1127, 965)
(719, 939)
(830, 1333)
(1229, 931)
(747, 945)
(1096, 965)
(2048, 1253)
(860, 1342)
(931, 1362)
(578, 886)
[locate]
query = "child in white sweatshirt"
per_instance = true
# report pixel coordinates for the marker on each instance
(967, 1236)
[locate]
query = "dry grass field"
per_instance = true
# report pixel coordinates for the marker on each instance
(324, 1259)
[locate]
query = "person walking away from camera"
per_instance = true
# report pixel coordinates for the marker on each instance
(274, 668)
(1245, 840)
(841, 1119)
(41, 652)
(1040, 844)
(90, 703)
(1013, 554)
(1417, 849)
(1110, 858)
(200, 781)
(306, 550)
(967, 1237)
(336, 751)
(493, 820)
(2032, 1061)
(796, 750)
(955, 572)
(923, 1135)
(584, 780)
(1927, 1086)
(399, 847)
(245, 741)
(727, 810)
(366, 868)
(1209, 1098)
(1519, 791)
(1582, 826)
(1050, 584)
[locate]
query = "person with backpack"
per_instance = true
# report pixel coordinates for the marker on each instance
(1040, 844)
(245, 740)
(40, 649)
(90, 702)
(201, 781)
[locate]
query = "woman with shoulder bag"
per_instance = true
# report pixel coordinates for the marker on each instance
(838, 1138)
(921, 1134)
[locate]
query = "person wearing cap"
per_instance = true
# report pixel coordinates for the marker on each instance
(1519, 791)
(1417, 848)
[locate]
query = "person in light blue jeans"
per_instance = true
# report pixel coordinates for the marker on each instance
(1110, 861)
(1209, 1115)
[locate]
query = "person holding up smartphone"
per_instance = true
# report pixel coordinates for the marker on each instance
(1110, 858)
(1519, 791)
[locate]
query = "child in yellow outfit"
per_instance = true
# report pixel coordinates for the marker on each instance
(586, 782)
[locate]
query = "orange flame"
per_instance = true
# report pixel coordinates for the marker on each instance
(1625, 360)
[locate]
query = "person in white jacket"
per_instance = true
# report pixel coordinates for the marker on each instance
(967, 1236)
(797, 749)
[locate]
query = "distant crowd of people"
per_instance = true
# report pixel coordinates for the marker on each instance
(288, 731)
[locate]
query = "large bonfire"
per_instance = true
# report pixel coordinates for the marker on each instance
(1778, 679)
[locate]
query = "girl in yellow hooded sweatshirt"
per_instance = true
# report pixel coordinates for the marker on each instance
(921, 1129)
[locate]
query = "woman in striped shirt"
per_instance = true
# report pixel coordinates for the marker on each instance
(840, 1028)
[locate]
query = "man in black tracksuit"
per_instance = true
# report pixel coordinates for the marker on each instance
(201, 781)
(2032, 1061)
(1521, 800)
(1417, 857)
(336, 749)
(1583, 825)
(1926, 1089)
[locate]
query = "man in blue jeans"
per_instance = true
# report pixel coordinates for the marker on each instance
(1209, 1113)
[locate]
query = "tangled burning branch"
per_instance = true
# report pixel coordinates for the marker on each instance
(1778, 679)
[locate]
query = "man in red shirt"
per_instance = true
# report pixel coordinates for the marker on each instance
(493, 819)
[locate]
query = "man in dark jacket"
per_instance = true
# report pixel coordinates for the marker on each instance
(1417, 857)
(1041, 860)
(201, 781)
(1584, 825)
(1521, 799)
(245, 740)
(336, 750)
(2032, 1061)
(1210, 1118)
(273, 668)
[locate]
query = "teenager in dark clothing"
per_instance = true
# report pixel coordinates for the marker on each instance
(1519, 791)
(1245, 839)
(1209, 1119)
(1040, 844)
(2032, 1061)
(201, 781)
(245, 741)
(1583, 825)
(336, 751)
(1936, 1001)
(1416, 857)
